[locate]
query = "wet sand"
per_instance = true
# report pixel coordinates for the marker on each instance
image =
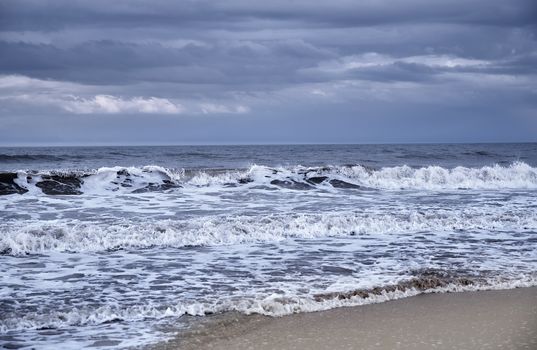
(471, 320)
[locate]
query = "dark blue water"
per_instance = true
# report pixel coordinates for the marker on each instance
(239, 157)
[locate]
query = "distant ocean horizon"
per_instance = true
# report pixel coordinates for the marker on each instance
(275, 143)
(108, 246)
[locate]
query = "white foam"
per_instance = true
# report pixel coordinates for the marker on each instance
(278, 306)
(110, 180)
(274, 305)
(124, 179)
(518, 175)
(21, 237)
(414, 219)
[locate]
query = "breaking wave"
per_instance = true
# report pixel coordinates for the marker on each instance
(273, 305)
(36, 237)
(518, 175)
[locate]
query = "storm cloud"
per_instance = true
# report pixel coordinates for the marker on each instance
(79, 72)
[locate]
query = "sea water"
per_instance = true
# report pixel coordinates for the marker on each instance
(110, 246)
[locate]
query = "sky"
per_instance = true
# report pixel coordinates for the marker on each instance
(255, 72)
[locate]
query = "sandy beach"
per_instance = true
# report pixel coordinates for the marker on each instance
(505, 319)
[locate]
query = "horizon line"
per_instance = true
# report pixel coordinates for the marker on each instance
(30, 145)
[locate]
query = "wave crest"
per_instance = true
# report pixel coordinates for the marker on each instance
(60, 235)
(357, 177)
(269, 305)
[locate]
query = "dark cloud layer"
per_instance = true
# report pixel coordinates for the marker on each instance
(273, 71)
(56, 14)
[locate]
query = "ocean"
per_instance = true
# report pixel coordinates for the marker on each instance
(111, 246)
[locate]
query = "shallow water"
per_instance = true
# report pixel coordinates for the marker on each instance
(108, 246)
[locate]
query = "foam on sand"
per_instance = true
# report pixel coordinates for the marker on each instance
(481, 320)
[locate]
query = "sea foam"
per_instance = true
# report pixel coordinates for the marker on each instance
(72, 235)
(118, 179)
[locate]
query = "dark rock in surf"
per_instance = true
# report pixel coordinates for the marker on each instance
(153, 187)
(342, 184)
(6, 251)
(122, 172)
(245, 180)
(60, 185)
(8, 185)
(316, 179)
(291, 184)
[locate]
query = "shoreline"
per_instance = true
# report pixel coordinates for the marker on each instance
(494, 319)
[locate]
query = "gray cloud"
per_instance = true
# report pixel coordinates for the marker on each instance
(50, 15)
(275, 63)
